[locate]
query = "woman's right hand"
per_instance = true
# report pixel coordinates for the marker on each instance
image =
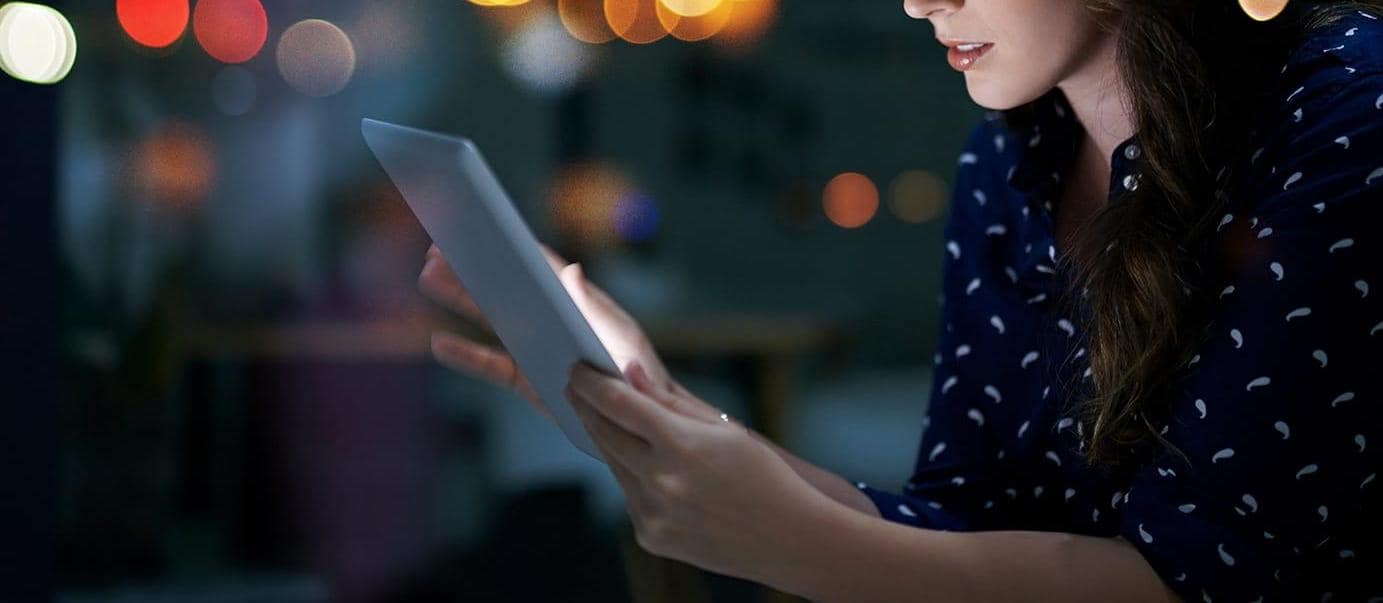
(618, 331)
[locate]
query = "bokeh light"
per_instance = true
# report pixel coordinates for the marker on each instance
(1263, 10)
(234, 90)
(385, 34)
(37, 43)
(582, 200)
(153, 23)
(636, 218)
(696, 27)
(510, 18)
(850, 200)
(692, 8)
(231, 31)
(544, 58)
(917, 196)
(316, 58)
(174, 166)
(749, 21)
(585, 20)
(635, 21)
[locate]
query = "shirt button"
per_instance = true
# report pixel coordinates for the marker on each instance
(1132, 152)
(1131, 182)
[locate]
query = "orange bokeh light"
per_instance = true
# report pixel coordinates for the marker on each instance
(582, 199)
(696, 28)
(153, 23)
(510, 17)
(850, 200)
(749, 21)
(635, 21)
(231, 31)
(585, 20)
(174, 166)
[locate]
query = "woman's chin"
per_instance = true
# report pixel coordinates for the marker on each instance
(985, 93)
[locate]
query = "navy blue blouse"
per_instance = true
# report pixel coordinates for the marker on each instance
(1282, 414)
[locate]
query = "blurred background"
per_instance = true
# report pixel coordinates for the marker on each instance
(218, 383)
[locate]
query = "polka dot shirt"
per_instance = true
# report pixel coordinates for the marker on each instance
(1281, 416)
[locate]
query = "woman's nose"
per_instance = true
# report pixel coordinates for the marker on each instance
(927, 9)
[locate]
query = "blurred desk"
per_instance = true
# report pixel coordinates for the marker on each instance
(766, 347)
(770, 344)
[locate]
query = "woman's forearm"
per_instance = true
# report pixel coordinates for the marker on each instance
(849, 556)
(830, 484)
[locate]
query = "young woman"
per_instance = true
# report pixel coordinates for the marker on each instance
(1158, 372)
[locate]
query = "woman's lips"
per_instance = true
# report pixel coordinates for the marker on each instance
(962, 57)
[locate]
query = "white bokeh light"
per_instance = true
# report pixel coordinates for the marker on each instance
(37, 43)
(544, 58)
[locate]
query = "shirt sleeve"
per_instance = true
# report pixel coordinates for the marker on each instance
(1281, 418)
(954, 464)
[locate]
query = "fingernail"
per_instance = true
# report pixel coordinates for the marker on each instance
(637, 376)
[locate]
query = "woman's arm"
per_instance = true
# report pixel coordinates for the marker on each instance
(848, 556)
(705, 491)
(833, 486)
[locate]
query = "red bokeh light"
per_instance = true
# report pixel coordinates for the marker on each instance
(153, 23)
(231, 31)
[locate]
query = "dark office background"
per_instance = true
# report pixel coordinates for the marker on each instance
(216, 379)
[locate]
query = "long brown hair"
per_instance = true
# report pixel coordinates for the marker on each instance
(1195, 71)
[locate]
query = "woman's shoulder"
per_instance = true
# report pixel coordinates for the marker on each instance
(1342, 56)
(1350, 42)
(1319, 139)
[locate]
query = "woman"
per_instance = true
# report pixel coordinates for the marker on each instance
(1156, 371)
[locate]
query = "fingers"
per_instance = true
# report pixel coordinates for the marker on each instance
(483, 362)
(574, 280)
(438, 283)
(556, 261)
(617, 444)
(620, 403)
(684, 404)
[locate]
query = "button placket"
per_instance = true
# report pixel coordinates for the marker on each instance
(1131, 182)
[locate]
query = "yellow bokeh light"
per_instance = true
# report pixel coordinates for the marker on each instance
(917, 196)
(37, 43)
(635, 21)
(316, 58)
(697, 27)
(1263, 10)
(850, 200)
(692, 8)
(585, 20)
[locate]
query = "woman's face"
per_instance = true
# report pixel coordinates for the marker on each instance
(1032, 45)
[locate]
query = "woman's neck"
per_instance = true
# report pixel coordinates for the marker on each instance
(1100, 99)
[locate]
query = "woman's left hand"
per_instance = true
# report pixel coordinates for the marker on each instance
(699, 489)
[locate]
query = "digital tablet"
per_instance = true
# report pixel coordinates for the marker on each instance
(491, 249)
